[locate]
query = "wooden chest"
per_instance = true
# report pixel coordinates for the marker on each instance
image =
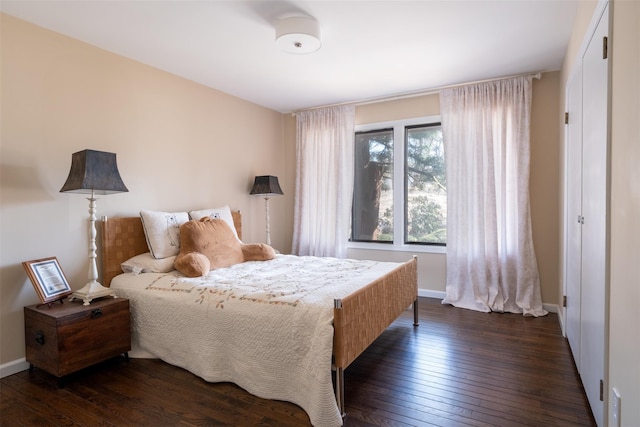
(65, 338)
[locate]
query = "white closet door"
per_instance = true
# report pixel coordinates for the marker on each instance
(573, 245)
(594, 210)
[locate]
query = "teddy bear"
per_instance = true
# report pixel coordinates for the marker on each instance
(209, 243)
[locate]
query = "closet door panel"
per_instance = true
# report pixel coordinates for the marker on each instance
(574, 214)
(594, 208)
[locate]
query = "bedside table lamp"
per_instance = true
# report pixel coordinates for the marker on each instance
(93, 172)
(266, 186)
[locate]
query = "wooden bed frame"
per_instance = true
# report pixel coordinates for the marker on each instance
(358, 319)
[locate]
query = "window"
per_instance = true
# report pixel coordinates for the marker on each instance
(425, 185)
(400, 188)
(372, 218)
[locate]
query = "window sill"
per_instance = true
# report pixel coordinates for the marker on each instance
(424, 249)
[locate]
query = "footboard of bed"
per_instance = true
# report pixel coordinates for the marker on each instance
(361, 317)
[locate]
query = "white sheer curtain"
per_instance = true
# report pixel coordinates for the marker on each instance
(324, 181)
(491, 263)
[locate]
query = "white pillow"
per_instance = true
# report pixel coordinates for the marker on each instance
(162, 231)
(219, 213)
(145, 263)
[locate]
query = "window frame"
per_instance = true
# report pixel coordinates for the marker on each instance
(399, 188)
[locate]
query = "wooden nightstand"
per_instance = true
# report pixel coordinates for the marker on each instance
(64, 338)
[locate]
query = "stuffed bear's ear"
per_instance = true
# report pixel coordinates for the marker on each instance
(192, 264)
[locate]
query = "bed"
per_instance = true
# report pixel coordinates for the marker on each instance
(357, 317)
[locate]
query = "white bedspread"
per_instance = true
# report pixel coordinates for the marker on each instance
(265, 326)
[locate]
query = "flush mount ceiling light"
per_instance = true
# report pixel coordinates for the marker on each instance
(298, 34)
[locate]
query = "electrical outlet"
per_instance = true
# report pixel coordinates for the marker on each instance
(615, 407)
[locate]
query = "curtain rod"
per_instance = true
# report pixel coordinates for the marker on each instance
(433, 91)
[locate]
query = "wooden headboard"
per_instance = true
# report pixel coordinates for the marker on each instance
(123, 238)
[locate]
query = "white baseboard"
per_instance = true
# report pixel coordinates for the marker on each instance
(431, 294)
(13, 367)
(561, 318)
(551, 308)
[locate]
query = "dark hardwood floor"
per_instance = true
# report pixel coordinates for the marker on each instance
(458, 368)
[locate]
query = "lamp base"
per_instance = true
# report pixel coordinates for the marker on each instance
(91, 291)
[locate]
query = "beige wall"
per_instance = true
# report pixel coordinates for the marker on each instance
(544, 183)
(180, 146)
(624, 282)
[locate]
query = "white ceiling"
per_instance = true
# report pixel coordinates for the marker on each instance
(370, 49)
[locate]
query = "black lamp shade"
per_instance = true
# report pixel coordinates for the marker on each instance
(266, 185)
(94, 172)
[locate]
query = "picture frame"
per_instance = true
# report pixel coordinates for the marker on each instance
(48, 279)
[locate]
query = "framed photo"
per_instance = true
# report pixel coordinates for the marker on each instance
(48, 279)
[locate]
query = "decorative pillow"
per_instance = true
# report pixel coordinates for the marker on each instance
(162, 231)
(145, 263)
(216, 213)
(210, 243)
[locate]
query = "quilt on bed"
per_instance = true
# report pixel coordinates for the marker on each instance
(265, 326)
